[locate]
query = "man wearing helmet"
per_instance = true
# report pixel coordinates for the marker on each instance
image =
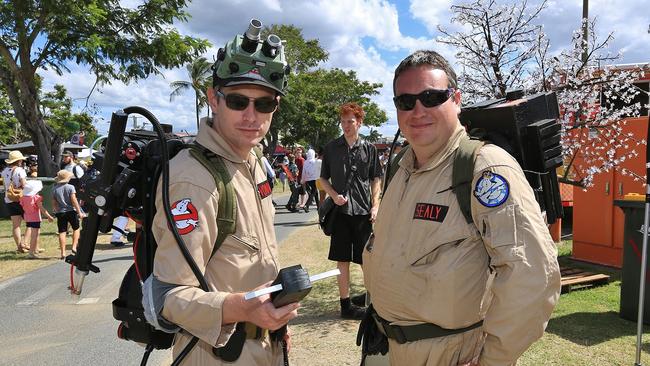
(243, 100)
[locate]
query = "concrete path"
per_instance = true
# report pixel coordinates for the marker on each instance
(42, 324)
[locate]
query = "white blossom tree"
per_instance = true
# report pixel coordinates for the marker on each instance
(595, 99)
(500, 47)
(497, 46)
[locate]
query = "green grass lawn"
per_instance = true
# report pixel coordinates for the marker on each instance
(13, 264)
(585, 328)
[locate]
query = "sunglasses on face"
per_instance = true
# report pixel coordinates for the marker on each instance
(240, 102)
(429, 98)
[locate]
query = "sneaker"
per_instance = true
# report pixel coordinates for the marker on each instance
(306, 209)
(117, 244)
(353, 312)
(359, 300)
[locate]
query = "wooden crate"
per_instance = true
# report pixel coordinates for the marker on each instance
(574, 278)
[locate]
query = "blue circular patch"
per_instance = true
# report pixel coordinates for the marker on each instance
(491, 189)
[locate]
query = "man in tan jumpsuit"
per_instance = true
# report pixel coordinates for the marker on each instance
(426, 264)
(248, 258)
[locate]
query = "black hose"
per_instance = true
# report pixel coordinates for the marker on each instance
(147, 352)
(185, 351)
(168, 214)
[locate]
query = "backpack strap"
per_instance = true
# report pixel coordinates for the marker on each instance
(394, 166)
(258, 154)
(463, 173)
(227, 212)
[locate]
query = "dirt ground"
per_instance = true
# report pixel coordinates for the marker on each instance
(320, 337)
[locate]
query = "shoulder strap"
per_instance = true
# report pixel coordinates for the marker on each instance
(463, 173)
(227, 212)
(394, 166)
(258, 154)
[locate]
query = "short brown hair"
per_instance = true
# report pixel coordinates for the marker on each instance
(430, 58)
(353, 108)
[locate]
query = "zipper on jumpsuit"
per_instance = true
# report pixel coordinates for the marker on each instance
(258, 200)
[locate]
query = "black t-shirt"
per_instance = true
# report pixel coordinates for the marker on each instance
(362, 162)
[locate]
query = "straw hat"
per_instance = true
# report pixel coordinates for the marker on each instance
(63, 176)
(32, 187)
(14, 156)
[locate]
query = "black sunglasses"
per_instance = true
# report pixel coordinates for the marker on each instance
(240, 102)
(429, 98)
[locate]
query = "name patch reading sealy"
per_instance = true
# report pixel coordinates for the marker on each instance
(430, 212)
(264, 189)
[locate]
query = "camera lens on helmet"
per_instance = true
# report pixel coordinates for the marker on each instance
(252, 36)
(233, 67)
(270, 46)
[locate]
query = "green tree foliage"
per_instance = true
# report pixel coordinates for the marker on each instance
(200, 75)
(308, 114)
(301, 54)
(372, 136)
(114, 41)
(56, 108)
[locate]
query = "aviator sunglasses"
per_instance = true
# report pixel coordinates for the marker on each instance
(429, 98)
(240, 102)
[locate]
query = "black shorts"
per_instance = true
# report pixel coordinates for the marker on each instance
(65, 218)
(15, 209)
(34, 224)
(349, 237)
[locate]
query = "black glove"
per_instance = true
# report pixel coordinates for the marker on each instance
(371, 340)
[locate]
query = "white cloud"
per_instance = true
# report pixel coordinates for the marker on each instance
(359, 35)
(431, 14)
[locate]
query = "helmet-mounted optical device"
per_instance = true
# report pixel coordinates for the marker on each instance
(249, 60)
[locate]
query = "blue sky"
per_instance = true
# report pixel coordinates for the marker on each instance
(370, 37)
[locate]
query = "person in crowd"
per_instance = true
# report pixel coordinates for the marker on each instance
(300, 163)
(321, 192)
(66, 209)
(293, 175)
(351, 175)
(68, 163)
(15, 175)
(311, 172)
(32, 204)
(448, 292)
(32, 166)
(119, 231)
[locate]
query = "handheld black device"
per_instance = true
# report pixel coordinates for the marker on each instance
(295, 286)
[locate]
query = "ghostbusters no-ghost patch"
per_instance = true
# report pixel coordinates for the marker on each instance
(491, 189)
(185, 216)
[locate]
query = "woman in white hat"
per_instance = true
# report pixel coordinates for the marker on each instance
(15, 173)
(32, 203)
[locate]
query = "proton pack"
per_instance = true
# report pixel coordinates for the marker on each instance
(527, 128)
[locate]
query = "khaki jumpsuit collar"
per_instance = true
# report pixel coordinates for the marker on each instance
(209, 138)
(408, 161)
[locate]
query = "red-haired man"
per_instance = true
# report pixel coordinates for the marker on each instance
(351, 175)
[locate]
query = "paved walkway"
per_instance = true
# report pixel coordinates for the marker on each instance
(42, 324)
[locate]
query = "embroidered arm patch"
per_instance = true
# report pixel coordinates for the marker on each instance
(491, 189)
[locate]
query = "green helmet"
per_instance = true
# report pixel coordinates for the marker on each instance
(248, 60)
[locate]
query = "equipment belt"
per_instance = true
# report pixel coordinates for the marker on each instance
(255, 332)
(411, 333)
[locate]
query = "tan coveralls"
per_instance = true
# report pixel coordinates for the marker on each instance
(246, 259)
(430, 266)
